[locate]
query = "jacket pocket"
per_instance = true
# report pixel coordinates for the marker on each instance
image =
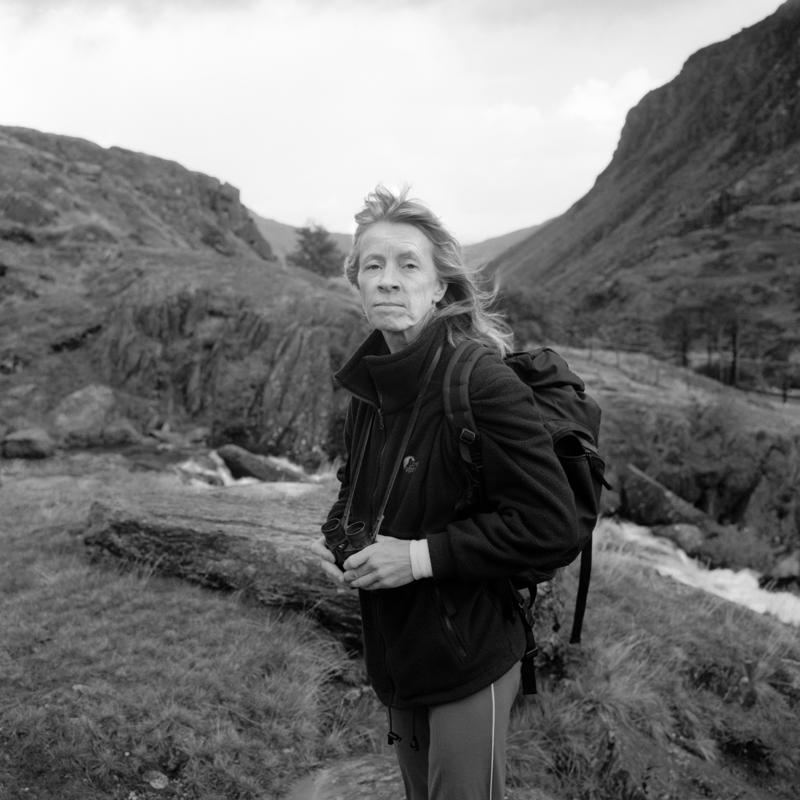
(447, 616)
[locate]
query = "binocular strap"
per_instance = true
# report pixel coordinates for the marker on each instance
(406, 436)
(359, 461)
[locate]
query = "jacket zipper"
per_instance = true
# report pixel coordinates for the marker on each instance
(375, 494)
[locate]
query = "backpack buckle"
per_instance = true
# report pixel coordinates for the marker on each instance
(467, 436)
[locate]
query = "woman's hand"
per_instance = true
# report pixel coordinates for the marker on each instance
(385, 564)
(327, 561)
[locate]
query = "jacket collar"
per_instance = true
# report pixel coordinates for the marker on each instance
(390, 381)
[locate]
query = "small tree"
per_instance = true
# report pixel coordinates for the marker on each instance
(679, 328)
(317, 251)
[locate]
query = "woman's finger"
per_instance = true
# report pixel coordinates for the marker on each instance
(333, 572)
(367, 580)
(319, 549)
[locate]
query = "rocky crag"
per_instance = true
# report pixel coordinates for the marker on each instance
(688, 241)
(131, 273)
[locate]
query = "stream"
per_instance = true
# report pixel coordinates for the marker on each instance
(738, 586)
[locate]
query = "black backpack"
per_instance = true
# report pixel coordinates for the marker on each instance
(572, 418)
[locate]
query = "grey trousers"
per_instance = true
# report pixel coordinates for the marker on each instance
(457, 751)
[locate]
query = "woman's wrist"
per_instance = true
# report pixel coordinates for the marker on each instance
(420, 559)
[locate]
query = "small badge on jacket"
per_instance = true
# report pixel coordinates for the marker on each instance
(409, 464)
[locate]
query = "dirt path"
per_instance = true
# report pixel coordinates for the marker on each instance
(372, 777)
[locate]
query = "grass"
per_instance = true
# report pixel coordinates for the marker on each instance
(672, 694)
(114, 683)
(124, 685)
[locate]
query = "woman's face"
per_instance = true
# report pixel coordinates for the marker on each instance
(397, 280)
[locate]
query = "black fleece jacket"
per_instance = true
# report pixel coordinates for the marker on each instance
(444, 638)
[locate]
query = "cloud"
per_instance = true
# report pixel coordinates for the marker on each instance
(134, 6)
(604, 105)
(34, 12)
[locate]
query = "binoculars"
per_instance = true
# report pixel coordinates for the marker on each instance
(343, 542)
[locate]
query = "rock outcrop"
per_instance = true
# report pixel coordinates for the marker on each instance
(27, 443)
(81, 418)
(258, 375)
(242, 463)
(647, 502)
(131, 272)
(713, 475)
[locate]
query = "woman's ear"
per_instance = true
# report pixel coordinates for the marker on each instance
(440, 291)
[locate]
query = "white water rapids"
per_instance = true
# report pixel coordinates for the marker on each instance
(668, 559)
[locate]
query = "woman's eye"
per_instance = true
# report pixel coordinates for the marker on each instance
(372, 265)
(410, 265)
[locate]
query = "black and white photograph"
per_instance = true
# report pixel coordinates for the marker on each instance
(399, 400)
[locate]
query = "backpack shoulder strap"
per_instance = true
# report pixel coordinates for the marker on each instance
(457, 407)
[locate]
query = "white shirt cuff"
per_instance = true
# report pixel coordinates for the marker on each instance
(420, 559)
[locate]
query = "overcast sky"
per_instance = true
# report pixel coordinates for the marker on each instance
(498, 113)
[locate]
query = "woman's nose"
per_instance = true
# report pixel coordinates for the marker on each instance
(389, 277)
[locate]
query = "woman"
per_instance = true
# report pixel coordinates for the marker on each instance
(442, 639)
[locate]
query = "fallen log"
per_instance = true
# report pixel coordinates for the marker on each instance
(253, 540)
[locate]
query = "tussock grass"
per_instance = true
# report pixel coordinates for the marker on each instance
(673, 694)
(113, 683)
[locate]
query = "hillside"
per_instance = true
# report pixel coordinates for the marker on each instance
(478, 255)
(125, 270)
(689, 239)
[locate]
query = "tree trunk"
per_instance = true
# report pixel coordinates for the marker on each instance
(734, 381)
(252, 540)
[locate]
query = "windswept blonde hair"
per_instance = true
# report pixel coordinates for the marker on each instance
(464, 306)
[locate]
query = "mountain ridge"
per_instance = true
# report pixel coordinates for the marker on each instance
(699, 202)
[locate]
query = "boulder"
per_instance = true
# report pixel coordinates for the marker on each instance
(120, 432)
(80, 418)
(28, 443)
(647, 502)
(244, 464)
(785, 573)
(690, 538)
(788, 566)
